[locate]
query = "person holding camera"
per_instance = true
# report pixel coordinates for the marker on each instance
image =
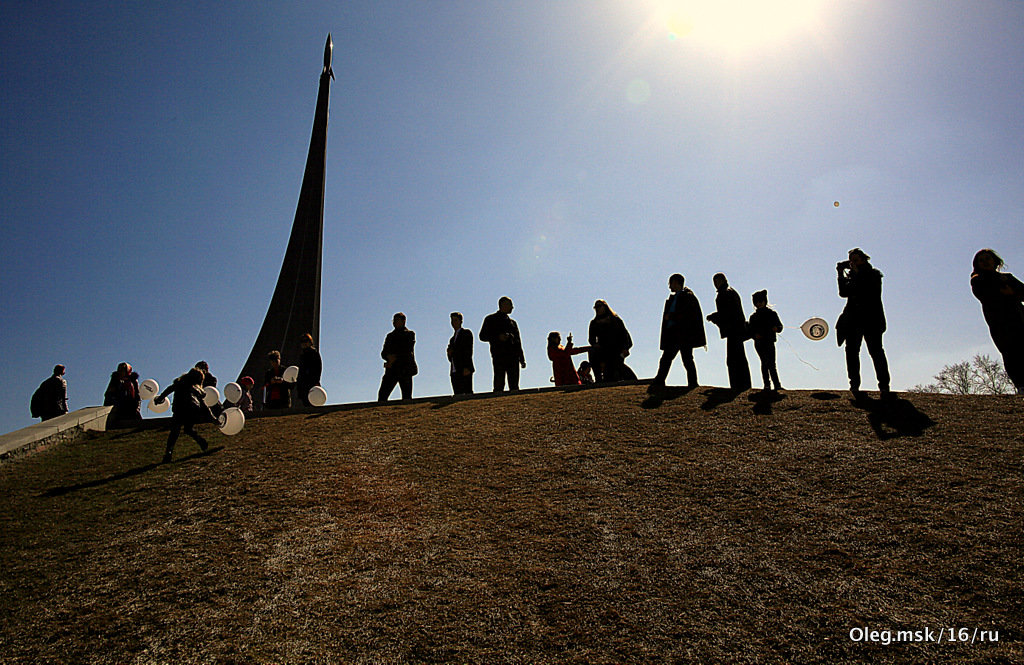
(863, 319)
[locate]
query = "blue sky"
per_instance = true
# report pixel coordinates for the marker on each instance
(555, 152)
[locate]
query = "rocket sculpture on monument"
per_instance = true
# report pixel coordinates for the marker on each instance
(295, 306)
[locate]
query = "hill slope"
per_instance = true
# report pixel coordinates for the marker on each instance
(591, 526)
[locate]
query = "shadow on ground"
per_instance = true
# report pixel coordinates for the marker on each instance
(137, 471)
(894, 417)
(667, 394)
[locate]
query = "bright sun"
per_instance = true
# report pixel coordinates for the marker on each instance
(736, 24)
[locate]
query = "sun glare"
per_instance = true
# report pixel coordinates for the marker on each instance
(736, 24)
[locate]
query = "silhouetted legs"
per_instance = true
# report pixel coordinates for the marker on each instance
(462, 385)
(666, 363)
(1011, 346)
(874, 343)
(736, 362)
(766, 352)
(388, 383)
(505, 370)
(172, 437)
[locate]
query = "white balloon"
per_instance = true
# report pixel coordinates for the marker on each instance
(159, 408)
(233, 392)
(212, 396)
(317, 396)
(231, 421)
(149, 389)
(815, 328)
(291, 374)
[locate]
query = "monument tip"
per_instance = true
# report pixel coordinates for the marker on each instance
(328, 50)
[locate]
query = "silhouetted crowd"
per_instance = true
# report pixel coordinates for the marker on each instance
(608, 346)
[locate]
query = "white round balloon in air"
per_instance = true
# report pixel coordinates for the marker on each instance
(291, 374)
(149, 389)
(317, 396)
(158, 408)
(233, 392)
(212, 395)
(231, 421)
(815, 328)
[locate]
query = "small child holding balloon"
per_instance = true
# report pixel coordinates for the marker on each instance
(763, 325)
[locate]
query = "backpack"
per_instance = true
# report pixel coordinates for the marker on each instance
(38, 404)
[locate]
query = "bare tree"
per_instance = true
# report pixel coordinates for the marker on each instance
(980, 376)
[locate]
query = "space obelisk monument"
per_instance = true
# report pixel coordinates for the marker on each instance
(295, 306)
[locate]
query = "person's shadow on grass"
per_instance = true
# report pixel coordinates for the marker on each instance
(893, 417)
(137, 471)
(657, 398)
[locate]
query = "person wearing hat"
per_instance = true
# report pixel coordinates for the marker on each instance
(51, 397)
(245, 401)
(863, 318)
(310, 368)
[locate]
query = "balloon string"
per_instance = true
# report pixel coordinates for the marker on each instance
(793, 351)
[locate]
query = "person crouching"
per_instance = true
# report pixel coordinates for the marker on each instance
(187, 409)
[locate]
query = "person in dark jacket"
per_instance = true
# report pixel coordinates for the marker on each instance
(187, 409)
(732, 325)
(502, 333)
(310, 368)
(460, 356)
(1001, 295)
(764, 325)
(122, 393)
(610, 344)
(209, 380)
(863, 318)
(682, 330)
(276, 393)
(399, 360)
(51, 397)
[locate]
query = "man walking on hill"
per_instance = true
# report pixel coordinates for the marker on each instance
(682, 330)
(507, 357)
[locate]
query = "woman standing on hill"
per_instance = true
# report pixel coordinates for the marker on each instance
(1001, 295)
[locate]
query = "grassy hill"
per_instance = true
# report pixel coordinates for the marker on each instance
(594, 526)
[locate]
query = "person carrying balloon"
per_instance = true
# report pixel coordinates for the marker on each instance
(764, 324)
(277, 395)
(188, 409)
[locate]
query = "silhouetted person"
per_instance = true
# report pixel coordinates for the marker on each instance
(245, 401)
(276, 394)
(862, 319)
(122, 393)
(585, 373)
(502, 333)
(609, 344)
(732, 326)
(51, 397)
(310, 368)
(209, 380)
(399, 360)
(187, 409)
(460, 356)
(682, 330)
(1001, 294)
(563, 370)
(764, 325)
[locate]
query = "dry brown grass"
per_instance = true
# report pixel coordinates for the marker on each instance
(593, 527)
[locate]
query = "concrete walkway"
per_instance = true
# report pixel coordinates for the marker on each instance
(56, 430)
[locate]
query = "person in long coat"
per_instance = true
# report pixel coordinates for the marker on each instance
(1001, 295)
(51, 397)
(682, 330)
(863, 318)
(610, 344)
(310, 369)
(399, 360)
(732, 326)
